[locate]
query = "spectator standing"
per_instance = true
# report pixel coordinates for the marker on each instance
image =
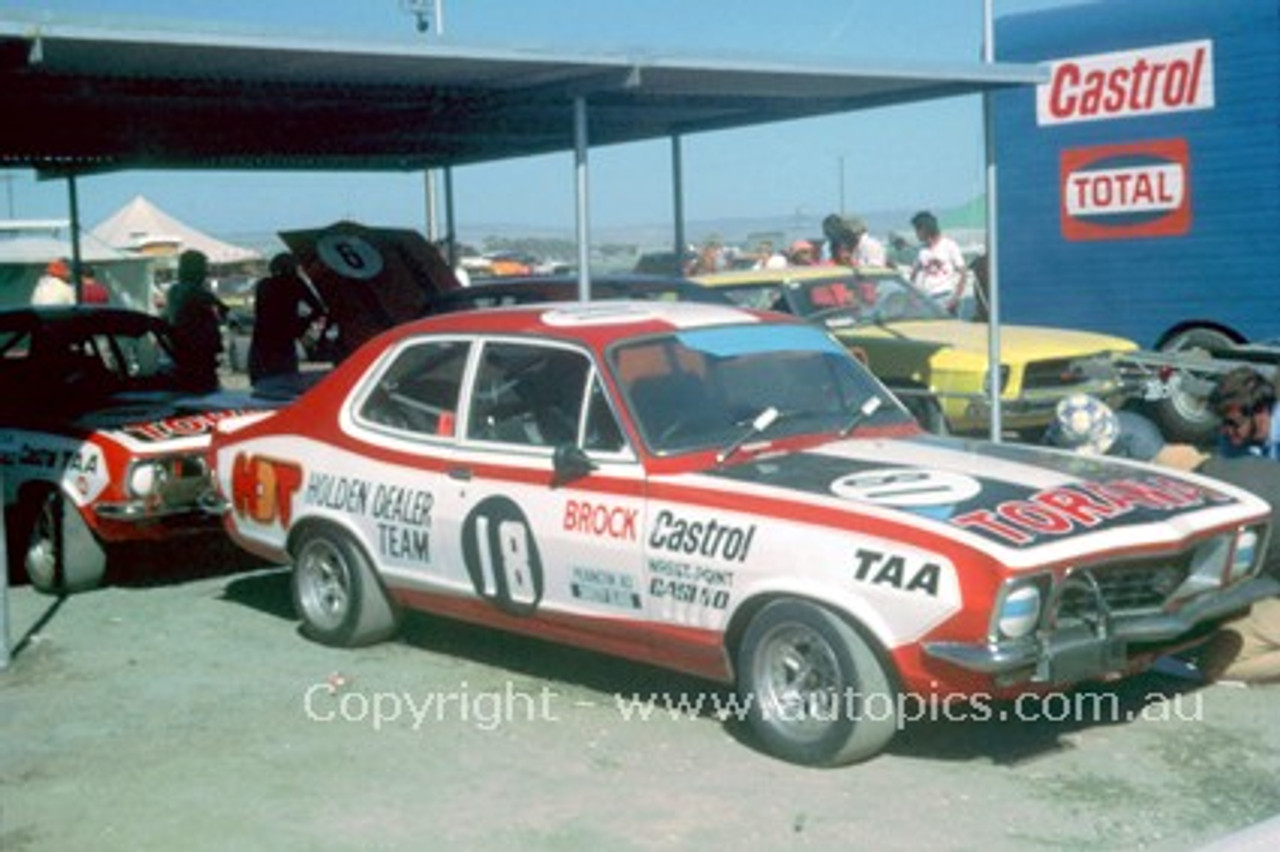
(92, 290)
(850, 244)
(939, 267)
(195, 316)
(1245, 402)
(710, 258)
(54, 287)
(801, 253)
(285, 310)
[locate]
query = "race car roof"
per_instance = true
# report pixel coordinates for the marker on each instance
(83, 98)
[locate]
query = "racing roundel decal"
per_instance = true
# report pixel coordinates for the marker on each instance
(349, 255)
(906, 488)
(501, 556)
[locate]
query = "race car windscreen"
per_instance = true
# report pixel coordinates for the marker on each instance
(699, 389)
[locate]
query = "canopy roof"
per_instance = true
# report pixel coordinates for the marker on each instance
(82, 99)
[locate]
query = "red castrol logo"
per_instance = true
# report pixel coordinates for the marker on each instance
(1141, 189)
(1145, 81)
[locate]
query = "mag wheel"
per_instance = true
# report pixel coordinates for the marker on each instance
(337, 593)
(815, 689)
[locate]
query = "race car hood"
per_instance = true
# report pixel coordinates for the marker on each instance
(1018, 343)
(1026, 506)
(149, 421)
(370, 279)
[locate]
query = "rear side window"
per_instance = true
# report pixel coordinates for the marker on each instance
(419, 392)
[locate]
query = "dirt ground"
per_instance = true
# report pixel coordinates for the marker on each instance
(186, 712)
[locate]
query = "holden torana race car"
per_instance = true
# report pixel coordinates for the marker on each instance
(728, 493)
(937, 364)
(98, 444)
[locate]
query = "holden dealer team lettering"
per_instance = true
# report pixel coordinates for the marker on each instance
(264, 489)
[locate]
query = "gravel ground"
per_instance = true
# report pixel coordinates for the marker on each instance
(185, 711)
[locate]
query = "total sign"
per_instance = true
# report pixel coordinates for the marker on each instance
(1140, 189)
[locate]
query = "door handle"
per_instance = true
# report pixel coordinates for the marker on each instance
(463, 474)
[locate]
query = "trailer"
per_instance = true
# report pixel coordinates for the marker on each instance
(1140, 188)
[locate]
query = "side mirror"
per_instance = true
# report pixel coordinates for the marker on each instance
(569, 462)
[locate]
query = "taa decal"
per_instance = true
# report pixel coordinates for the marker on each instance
(262, 488)
(501, 556)
(1122, 191)
(891, 569)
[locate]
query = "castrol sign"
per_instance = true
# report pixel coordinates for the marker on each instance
(1128, 83)
(1141, 189)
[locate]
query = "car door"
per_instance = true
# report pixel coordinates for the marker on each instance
(533, 543)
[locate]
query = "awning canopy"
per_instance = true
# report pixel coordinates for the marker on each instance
(83, 99)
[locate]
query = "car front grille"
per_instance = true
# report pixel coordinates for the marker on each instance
(1123, 587)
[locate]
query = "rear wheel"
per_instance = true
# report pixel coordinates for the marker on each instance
(815, 689)
(1183, 416)
(337, 593)
(61, 554)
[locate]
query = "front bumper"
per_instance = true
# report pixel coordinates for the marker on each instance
(1081, 651)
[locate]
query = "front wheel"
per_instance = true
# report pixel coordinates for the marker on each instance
(61, 555)
(337, 593)
(815, 689)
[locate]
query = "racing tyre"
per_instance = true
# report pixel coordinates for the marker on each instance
(815, 689)
(336, 592)
(1185, 417)
(61, 555)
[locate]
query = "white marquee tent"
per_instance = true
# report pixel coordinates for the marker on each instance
(141, 226)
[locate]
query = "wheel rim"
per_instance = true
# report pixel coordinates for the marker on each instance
(42, 547)
(324, 585)
(1188, 406)
(798, 682)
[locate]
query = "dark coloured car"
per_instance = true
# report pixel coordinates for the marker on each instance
(98, 444)
(564, 288)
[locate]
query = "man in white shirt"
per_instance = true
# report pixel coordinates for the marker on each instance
(53, 287)
(939, 269)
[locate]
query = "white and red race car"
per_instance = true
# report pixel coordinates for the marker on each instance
(727, 493)
(98, 444)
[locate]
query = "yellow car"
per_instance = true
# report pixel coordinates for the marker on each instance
(935, 363)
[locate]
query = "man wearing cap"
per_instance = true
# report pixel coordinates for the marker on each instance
(851, 245)
(54, 288)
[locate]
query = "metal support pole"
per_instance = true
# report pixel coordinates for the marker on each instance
(77, 273)
(580, 177)
(433, 224)
(5, 653)
(677, 195)
(993, 266)
(451, 230)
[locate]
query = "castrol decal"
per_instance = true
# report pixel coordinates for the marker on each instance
(1145, 81)
(1111, 192)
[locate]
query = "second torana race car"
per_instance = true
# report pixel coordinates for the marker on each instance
(728, 493)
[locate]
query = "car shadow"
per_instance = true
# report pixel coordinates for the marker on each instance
(1004, 733)
(172, 562)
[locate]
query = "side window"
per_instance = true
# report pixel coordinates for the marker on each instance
(603, 432)
(419, 391)
(528, 394)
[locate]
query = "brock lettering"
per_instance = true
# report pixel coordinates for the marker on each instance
(891, 569)
(597, 519)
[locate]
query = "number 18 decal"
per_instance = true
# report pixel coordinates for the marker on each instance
(502, 557)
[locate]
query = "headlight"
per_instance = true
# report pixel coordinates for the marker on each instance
(1018, 612)
(1245, 554)
(145, 479)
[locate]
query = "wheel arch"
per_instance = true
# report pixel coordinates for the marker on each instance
(871, 629)
(1199, 325)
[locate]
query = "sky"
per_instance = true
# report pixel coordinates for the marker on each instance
(907, 157)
